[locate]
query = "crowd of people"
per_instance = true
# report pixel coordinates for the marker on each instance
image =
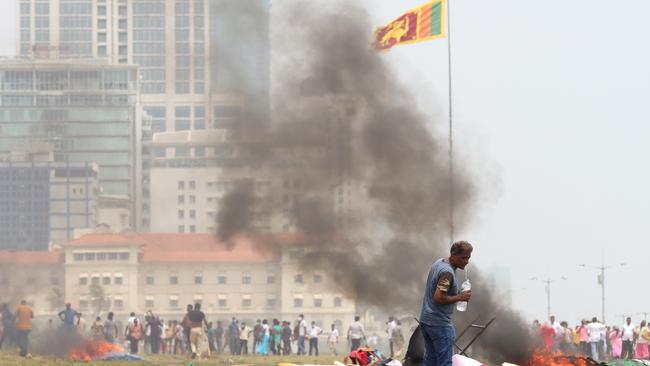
(195, 335)
(596, 339)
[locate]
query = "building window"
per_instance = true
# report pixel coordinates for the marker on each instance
(173, 302)
(101, 11)
(318, 302)
(150, 280)
(101, 51)
(101, 37)
(182, 118)
(89, 256)
(192, 184)
(246, 279)
(181, 184)
(95, 280)
(338, 302)
(106, 280)
(173, 280)
(192, 228)
(181, 200)
(192, 199)
(101, 23)
(270, 279)
(192, 214)
(83, 281)
(148, 303)
(78, 257)
(246, 301)
(198, 279)
(181, 228)
(181, 214)
(222, 280)
(222, 302)
(297, 302)
(297, 278)
(318, 278)
(271, 302)
(118, 280)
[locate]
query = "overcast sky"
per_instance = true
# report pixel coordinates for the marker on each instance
(551, 113)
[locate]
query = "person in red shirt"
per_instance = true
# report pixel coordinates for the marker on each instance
(548, 336)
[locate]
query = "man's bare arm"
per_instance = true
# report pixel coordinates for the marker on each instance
(441, 296)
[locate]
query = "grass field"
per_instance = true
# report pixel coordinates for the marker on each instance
(12, 359)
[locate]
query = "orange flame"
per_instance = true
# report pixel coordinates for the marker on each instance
(546, 358)
(93, 350)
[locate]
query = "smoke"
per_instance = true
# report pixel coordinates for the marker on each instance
(359, 171)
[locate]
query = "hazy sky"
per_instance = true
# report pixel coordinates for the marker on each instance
(552, 115)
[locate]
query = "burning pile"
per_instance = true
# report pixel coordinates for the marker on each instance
(545, 358)
(94, 350)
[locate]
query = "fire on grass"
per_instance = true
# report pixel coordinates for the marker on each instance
(93, 350)
(545, 358)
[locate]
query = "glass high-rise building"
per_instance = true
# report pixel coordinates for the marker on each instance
(86, 111)
(44, 202)
(203, 64)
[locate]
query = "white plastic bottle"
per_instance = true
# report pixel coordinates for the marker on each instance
(462, 305)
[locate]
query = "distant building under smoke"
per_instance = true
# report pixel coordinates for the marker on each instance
(258, 278)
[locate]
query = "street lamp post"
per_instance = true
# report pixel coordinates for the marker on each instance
(601, 282)
(547, 282)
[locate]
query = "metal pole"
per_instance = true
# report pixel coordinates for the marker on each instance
(451, 141)
(548, 299)
(602, 278)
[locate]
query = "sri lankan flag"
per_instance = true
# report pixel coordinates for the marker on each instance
(420, 24)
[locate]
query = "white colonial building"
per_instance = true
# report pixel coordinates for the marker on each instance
(251, 278)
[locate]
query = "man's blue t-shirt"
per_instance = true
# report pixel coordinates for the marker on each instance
(69, 316)
(433, 314)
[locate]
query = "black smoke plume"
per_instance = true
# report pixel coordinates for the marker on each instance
(360, 170)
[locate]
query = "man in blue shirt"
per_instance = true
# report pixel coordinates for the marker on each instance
(69, 317)
(438, 305)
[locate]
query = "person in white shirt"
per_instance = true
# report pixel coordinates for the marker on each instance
(390, 326)
(314, 331)
(244, 334)
(627, 350)
(595, 329)
(355, 333)
(333, 339)
(302, 330)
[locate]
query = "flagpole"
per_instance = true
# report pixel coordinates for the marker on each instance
(450, 115)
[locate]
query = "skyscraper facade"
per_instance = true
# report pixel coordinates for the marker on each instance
(203, 64)
(86, 111)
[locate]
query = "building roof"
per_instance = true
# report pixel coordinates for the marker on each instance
(168, 248)
(31, 257)
(179, 248)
